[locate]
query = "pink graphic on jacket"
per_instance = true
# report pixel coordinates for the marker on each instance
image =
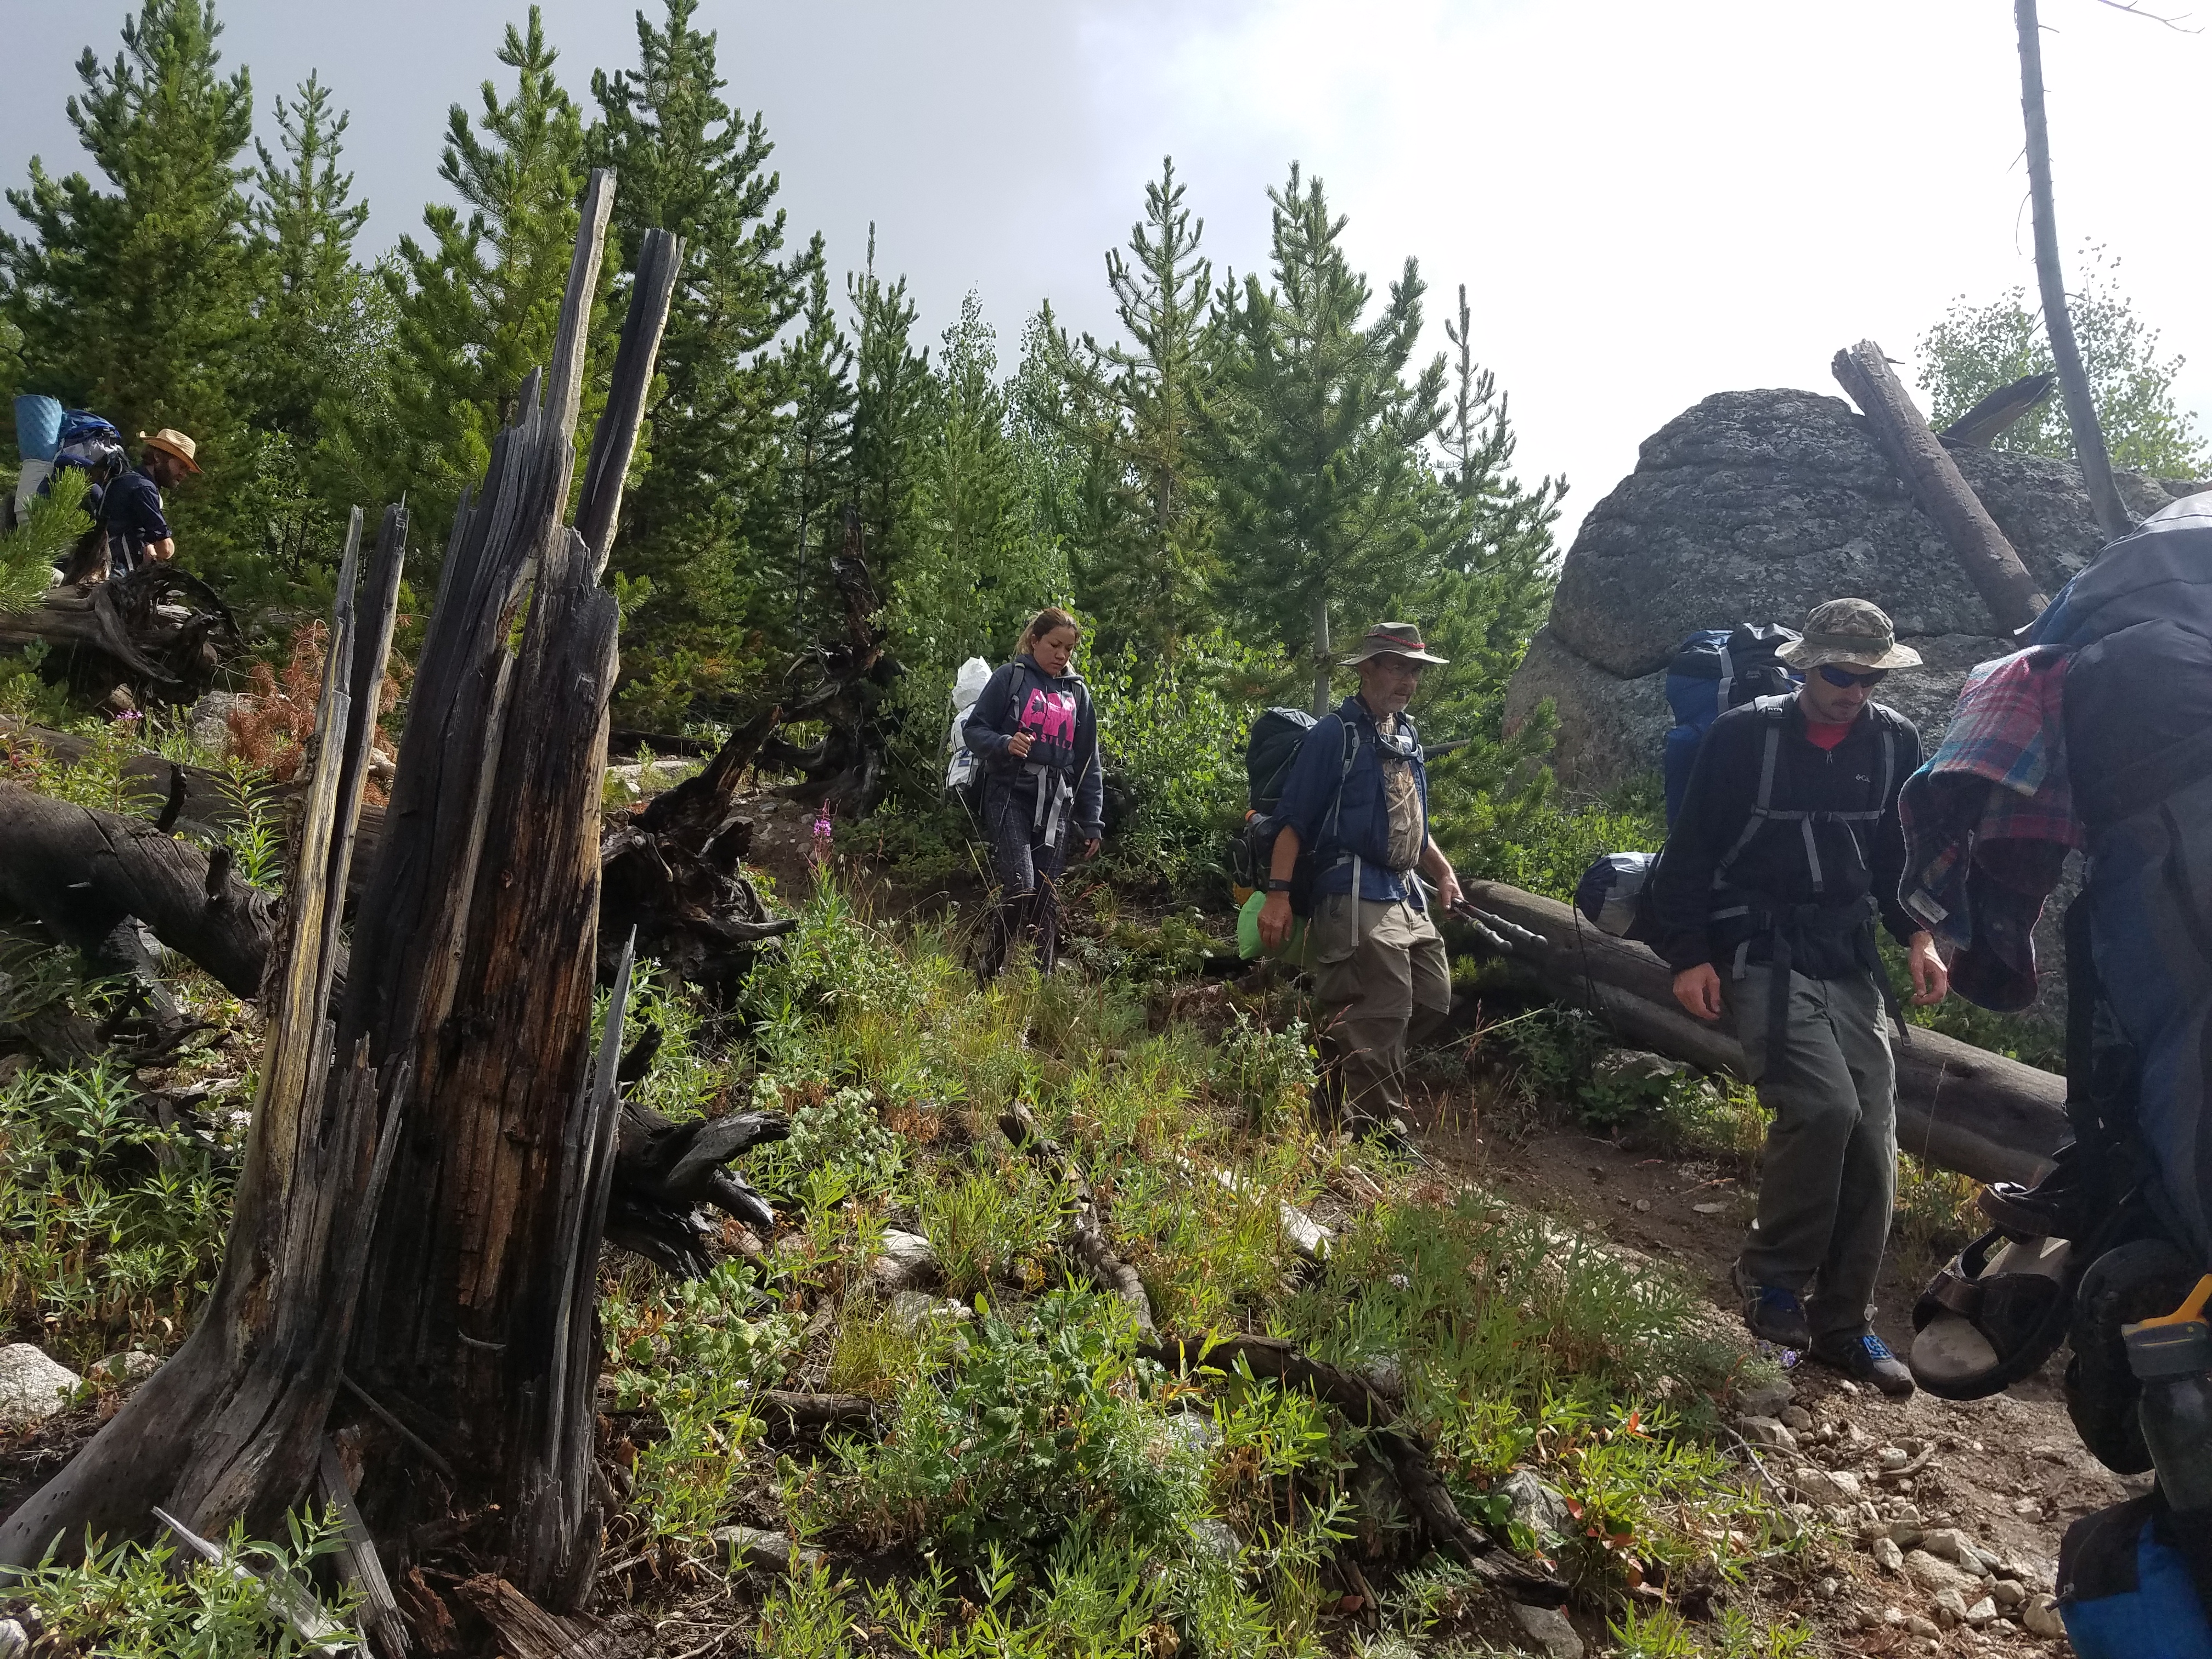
(1050, 715)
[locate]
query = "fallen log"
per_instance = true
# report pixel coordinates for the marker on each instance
(1959, 1107)
(1941, 489)
(159, 631)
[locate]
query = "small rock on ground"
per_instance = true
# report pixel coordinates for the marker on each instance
(1549, 1629)
(32, 1387)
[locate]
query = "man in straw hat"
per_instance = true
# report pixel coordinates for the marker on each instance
(137, 527)
(1786, 850)
(1358, 801)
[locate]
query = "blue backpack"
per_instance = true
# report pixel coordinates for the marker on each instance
(2126, 1588)
(1713, 671)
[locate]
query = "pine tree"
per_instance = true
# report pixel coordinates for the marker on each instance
(1143, 555)
(1328, 506)
(697, 522)
(479, 304)
(133, 301)
(309, 286)
(817, 443)
(1481, 608)
(973, 565)
(893, 383)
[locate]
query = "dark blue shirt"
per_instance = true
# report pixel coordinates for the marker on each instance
(1359, 824)
(131, 511)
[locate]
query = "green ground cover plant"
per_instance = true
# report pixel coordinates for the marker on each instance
(133, 1601)
(112, 1226)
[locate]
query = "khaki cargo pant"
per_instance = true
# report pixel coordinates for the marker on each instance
(1828, 1178)
(1384, 983)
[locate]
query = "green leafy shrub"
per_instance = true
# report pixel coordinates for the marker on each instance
(691, 1354)
(1174, 741)
(138, 1602)
(112, 1227)
(1046, 1423)
(840, 1134)
(1266, 1076)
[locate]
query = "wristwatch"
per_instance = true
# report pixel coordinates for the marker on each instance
(1274, 886)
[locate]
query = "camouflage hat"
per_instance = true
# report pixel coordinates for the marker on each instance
(1854, 632)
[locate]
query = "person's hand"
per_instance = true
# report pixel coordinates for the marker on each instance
(1091, 847)
(1698, 990)
(1275, 920)
(1018, 745)
(1932, 980)
(1447, 890)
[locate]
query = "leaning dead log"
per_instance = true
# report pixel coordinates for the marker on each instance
(1958, 1107)
(1941, 489)
(159, 631)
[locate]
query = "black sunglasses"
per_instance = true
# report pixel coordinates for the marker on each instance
(1843, 676)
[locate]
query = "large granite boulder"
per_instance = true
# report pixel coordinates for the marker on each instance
(1755, 507)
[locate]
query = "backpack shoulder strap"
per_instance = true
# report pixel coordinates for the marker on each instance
(1774, 716)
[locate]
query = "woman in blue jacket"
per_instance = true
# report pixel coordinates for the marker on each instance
(1037, 736)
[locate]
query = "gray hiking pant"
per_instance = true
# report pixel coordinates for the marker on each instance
(1384, 982)
(1828, 1179)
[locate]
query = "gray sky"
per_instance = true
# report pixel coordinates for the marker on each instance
(1648, 203)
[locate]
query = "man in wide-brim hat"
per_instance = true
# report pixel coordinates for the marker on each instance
(133, 512)
(1354, 844)
(1786, 850)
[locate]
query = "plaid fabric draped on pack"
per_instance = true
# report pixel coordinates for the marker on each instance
(1989, 821)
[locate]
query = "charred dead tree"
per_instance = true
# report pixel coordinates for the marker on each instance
(842, 686)
(231, 1426)
(159, 632)
(428, 1172)
(673, 873)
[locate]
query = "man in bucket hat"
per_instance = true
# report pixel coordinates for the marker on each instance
(1786, 850)
(1358, 799)
(132, 511)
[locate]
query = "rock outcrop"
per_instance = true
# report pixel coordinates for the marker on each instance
(1754, 507)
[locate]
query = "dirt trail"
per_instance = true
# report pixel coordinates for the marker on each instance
(2008, 1473)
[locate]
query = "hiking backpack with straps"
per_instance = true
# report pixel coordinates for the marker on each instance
(1712, 671)
(1271, 751)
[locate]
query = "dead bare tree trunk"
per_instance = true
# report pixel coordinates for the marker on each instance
(231, 1426)
(461, 1294)
(1941, 489)
(2113, 515)
(845, 771)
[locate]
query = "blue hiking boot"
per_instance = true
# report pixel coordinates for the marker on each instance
(1772, 1313)
(1864, 1358)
